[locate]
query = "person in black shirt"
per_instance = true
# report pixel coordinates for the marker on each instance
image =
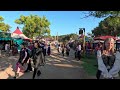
(38, 58)
(29, 67)
(49, 50)
(22, 59)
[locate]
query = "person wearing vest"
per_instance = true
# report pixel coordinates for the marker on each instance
(23, 57)
(108, 61)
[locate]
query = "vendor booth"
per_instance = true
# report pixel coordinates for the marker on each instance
(19, 37)
(5, 38)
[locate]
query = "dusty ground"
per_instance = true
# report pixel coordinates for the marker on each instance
(57, 67)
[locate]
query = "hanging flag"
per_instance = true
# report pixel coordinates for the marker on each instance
(81, 36)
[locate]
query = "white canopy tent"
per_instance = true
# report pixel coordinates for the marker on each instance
(18, 34)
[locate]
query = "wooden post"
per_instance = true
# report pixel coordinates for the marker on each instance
(84, 41)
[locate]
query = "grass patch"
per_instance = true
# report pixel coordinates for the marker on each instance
(90, 65)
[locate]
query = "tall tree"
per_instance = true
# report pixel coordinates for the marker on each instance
(34, 25)
(109, 26)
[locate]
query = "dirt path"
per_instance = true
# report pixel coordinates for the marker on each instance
(57, 67)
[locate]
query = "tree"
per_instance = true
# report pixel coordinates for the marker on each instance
(109, 26)
(4, 27)
(101, 14)
(66, 38)
(34, 25)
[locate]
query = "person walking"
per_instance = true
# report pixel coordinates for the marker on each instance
(63, 49)
(49, 50)
(67, 49)
(79, 51)
(29, 52)
(21, 61)
(38, 59)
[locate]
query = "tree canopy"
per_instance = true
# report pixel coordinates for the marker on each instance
(101, 14)
(66, 38)
(110, 25)
(34, 25)
(4, 27)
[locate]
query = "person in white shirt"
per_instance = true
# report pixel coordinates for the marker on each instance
(67, 49)
(108, 61)
(79, 47)
(79, 51)
(6, 47)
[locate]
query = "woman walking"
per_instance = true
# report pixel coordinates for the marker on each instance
(22, 60)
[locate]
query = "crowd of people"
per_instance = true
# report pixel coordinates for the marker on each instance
(30, 52)
(107, 57)
(9, 49)
(63, 48)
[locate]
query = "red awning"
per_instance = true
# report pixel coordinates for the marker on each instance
(17, 31)
(104, 37)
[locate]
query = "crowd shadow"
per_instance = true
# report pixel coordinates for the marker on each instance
(5, 62)
(56, 67)
(56, 72)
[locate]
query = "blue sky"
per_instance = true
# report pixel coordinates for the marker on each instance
(63, 22)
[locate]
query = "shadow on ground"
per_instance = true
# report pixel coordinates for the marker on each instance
(59, 68)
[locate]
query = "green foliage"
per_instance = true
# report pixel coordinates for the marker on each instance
(1, 19)
(101, 14)
(4, 27)
(34, 25)
(109, 26)
(66, 38)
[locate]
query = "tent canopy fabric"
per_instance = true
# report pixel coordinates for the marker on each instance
(97, 41)
(5, 36)
(104, 37)
(17, 31)
(5, 39)
(18, 34)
